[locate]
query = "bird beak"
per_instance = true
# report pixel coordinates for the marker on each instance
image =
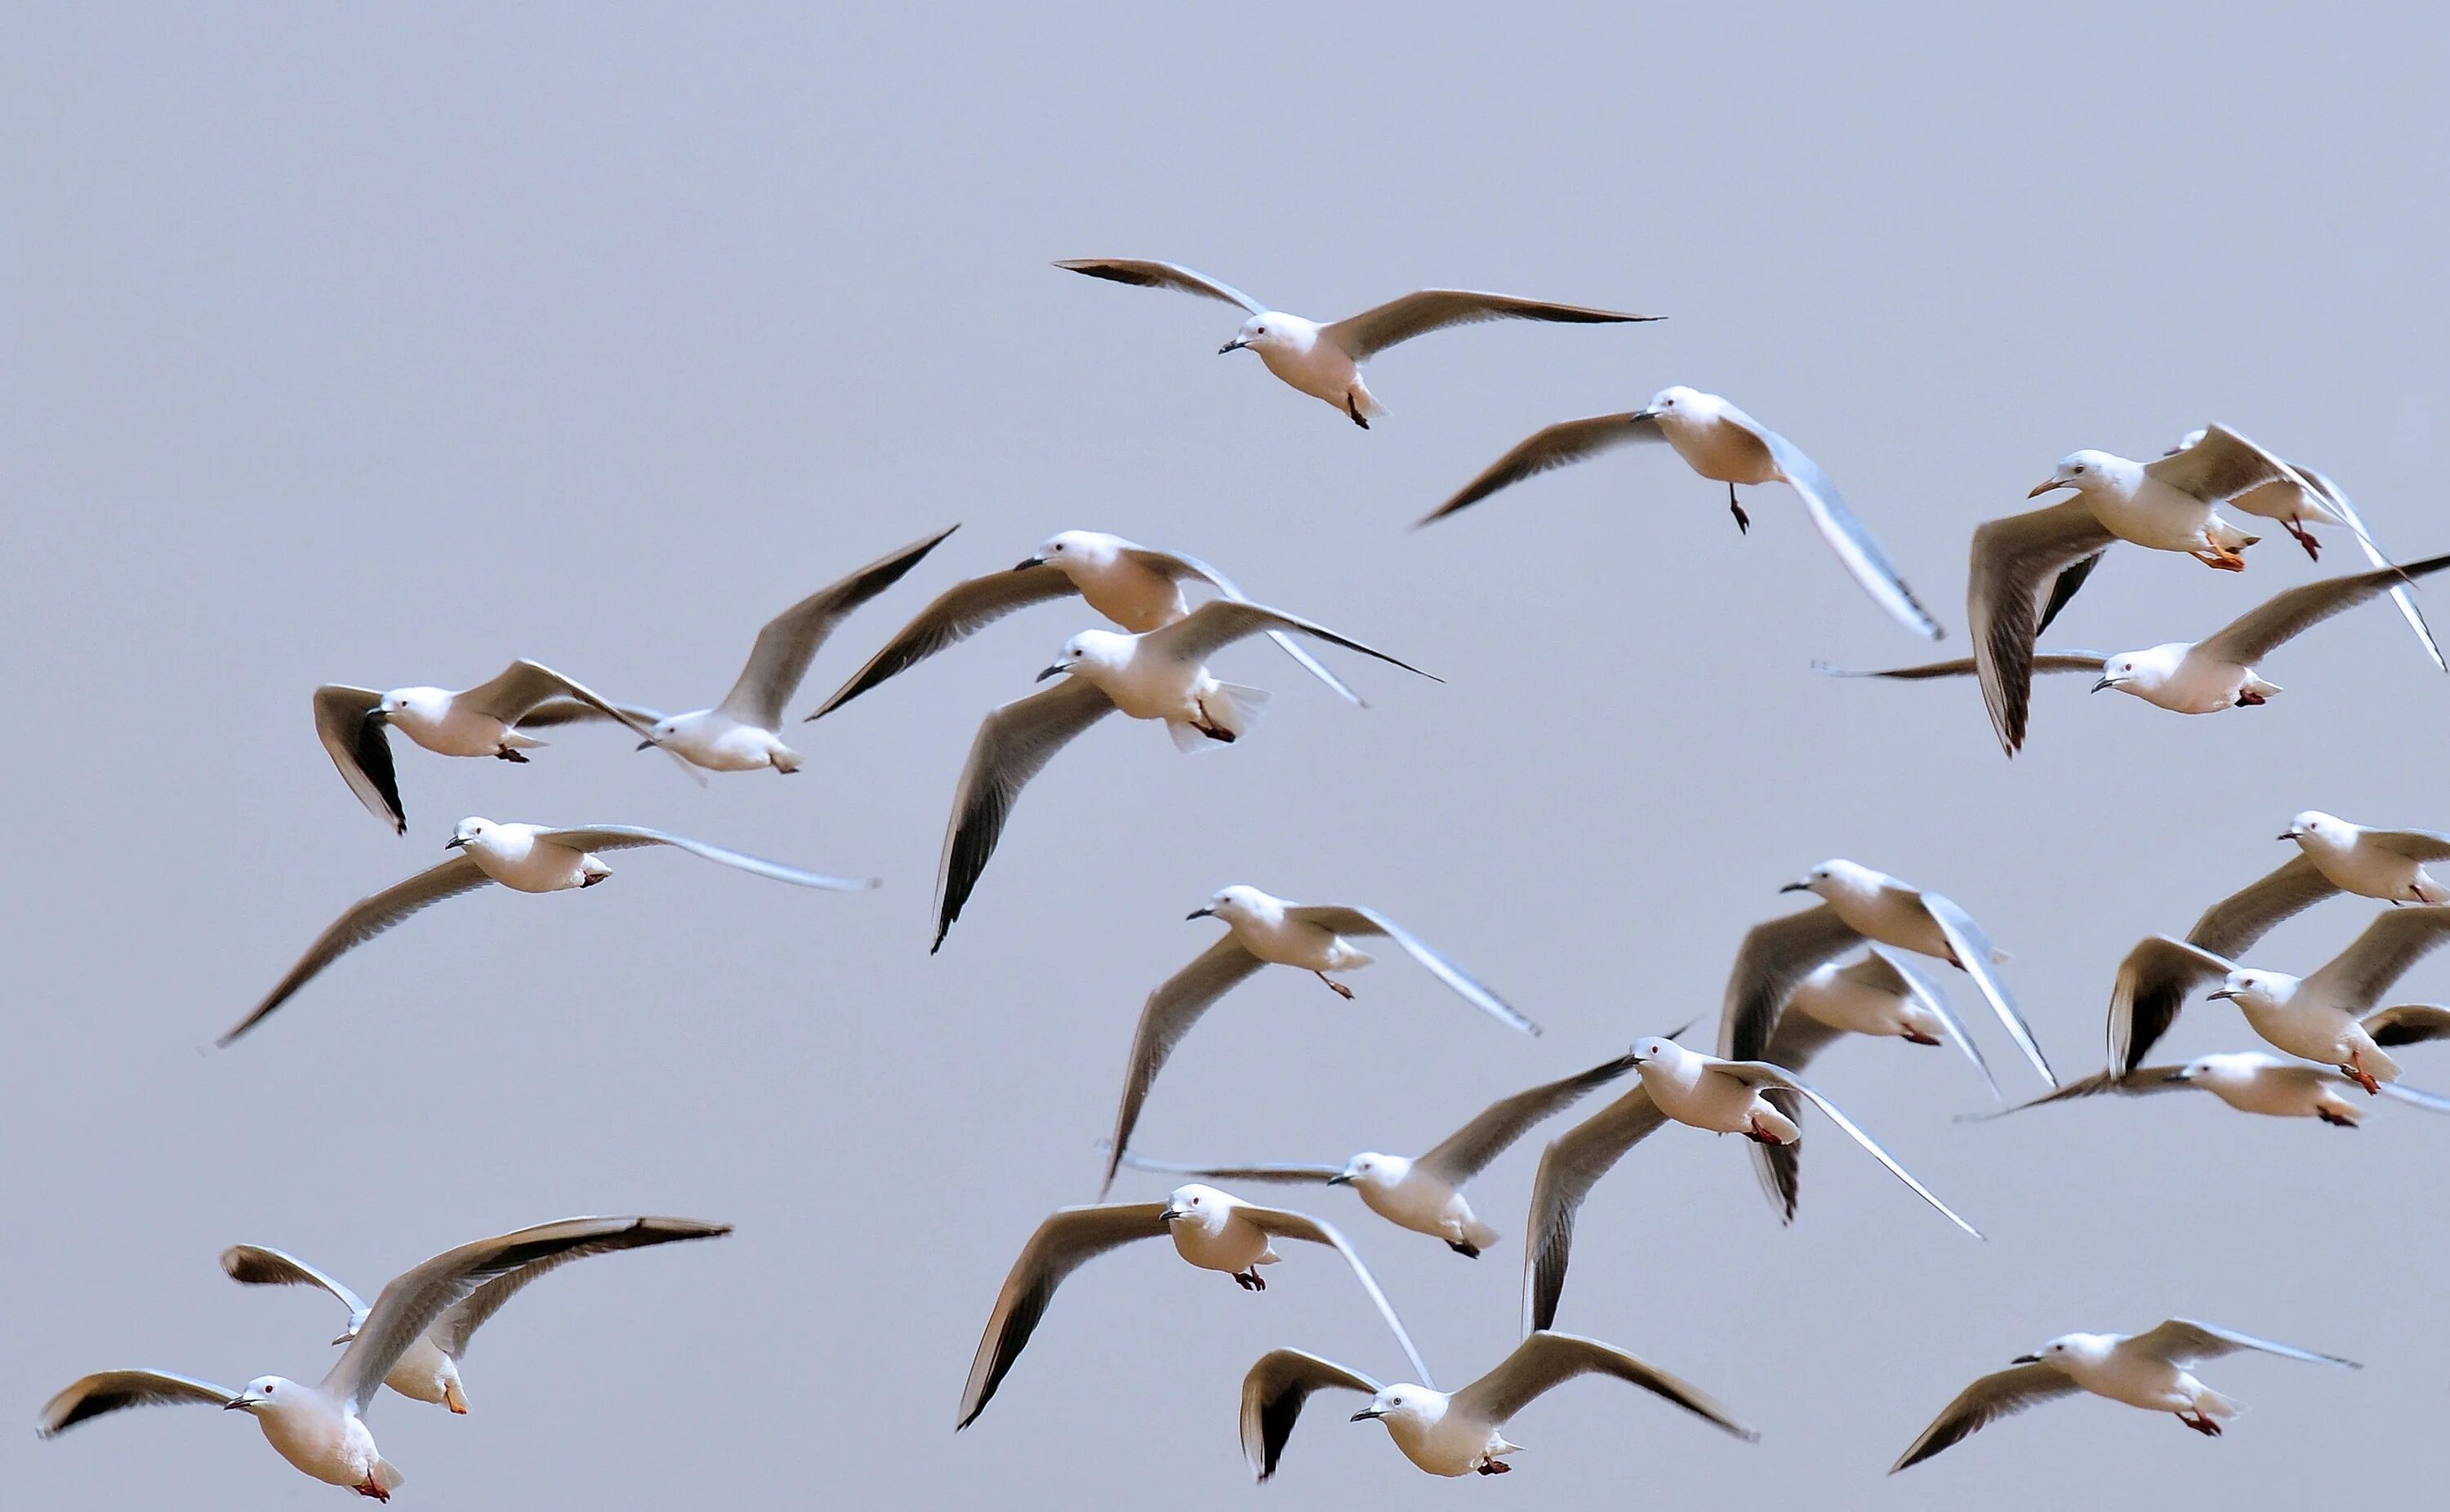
(2044, 486)
(456, 843)
(1028, 562)
(2222, 995)
(2026, 1358)
(2177, 1077)
(2107, 682)
(1235, 345)
(2292, 834)
(1639, 416)
(1199, 913)
(1057, 670)
(646, 744)
(1170, 1215)
(1797, 887)
(1366, 1415)
(1340, 1179)
(350, 1337)
(240, 1402)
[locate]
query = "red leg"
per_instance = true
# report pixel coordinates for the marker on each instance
(1341, 990)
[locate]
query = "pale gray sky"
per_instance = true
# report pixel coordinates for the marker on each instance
(316, 319)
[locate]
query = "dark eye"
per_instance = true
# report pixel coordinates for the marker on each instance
(2079, 467)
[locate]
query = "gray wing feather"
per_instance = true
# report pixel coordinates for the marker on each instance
(2338, 503)
(1068, 1239)
(952, 617)
(110, 1390)
(1144, 273)
(1979, 960)
(1273, 1393)
(1220, 622)
(628, 837)
(1847, 535)
(1964, 667)
(1288, 1172)
(2416, 844)
(1546, 1360)
(1374, 330)
(2221, 465)
(1279, 1224)
(1775, 954)
(1559, 445)
(1168, 1014)
(1571, 1165)
(2010, 559)
(1014, 745)
(520, 687)
(2186, 1344)
(360, 749)
(2142, 1082)
(1176, 565)
(2231, 927)
(2153, 983)
(254, 1266)
(1761, 1074)
(2000, 1394)
(367, 917)
(1342, 920)
(2412, 1023)
(779, 660)
(2358, 975)
(2288, 613)
(1466, 1152)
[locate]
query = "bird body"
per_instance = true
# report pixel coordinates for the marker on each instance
(1413, 1194)
(2298, 1014)
(2186, 677)
(2134, 505)
(2250, 1082)
(1878, 907)
(1261, 927)
(2385, 864)
(1432, 1434)
(1146, 682)
(448, 725)
(1210, 1233)
(318, 1435)
(720, 743)
(1688, 1087)
(1839, 997)
(2099, 1362)
(521, 857)
(1295, 352)
(1116, 578)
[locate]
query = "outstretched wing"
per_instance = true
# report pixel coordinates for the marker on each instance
(1866, 561)
(1279, 1224)
(1546, 1360)
(1273, 1393)
(2285, 615)
(254, 1265)
(452, 1331)
(956, 615)
(789, 641)
(1571, 1165)
(1014, 745)
(1466, 1152)
(628, 837)
(1168, 1014)
(1979, 959)
(2231, 927)
(1373, 331)
(1559, 445)
(1775, 954)
(1339, 920)
(519, 688)
(1175, 565)
(2153, 983)
(109, 1390)
(367, 917)
(2358, 975)
(1068, 1239)
(361, 749)
(1761, 1074)
(1143, 273)
(2186, 1344)
(1220, 622)
(2000, 1394)
(2009, 560)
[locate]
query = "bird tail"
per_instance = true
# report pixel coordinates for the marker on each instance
(2229, 537)
(1233, 710)
(387, 1475)
(2431, 891)
(1478, 1235)
(2212, 1405)
(2377, 1063)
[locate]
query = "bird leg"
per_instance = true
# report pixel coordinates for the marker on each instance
(1340, 989)
(1353, 409)
(1469, 1251)
(2221, 557)
(2306, 540)
(2335, 1120)
(369, 1487)
(2248, 698)
(2357, 1073)
(508, 755)
(2201, 1423)
(1915, 1037)
(1250, 1281)
(1759, 1135)
(1744, 522)
(1493, 1467)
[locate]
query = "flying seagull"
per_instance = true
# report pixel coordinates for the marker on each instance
(2249, 1081)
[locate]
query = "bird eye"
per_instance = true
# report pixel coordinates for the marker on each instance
(1262, 331)
(2079, 467)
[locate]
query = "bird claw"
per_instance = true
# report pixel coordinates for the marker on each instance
(1744, 522)
(1338, 988)
(1250, 1281)
(369, 1486)
(2227, 561)
(1492, 1467)
(2357, 1073)
(1353, 409)
(505, 754)
(2306, 540)
(2201, 1423)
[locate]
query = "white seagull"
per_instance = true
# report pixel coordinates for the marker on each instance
(2247, 1080)
(1213, 1230)
(1262, 930)
(1425, 1192)
(1161, 675)
(2166, 505)
(1458, 1432)
(1725, 445)
(2387, 864)
(524, 858)
(1723, 1097)
(2212, 674)
(743, 733)
(1859, 904)
(320, 1428)
(2327, 1017)
(2153, 1370)
(428, 1370)
(1138, 587)
(1324, 361)
(1877, 996)
(490, 719)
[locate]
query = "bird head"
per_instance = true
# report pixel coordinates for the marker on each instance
(2316, 826)
(1271, 331)
(263, 1394)
(1676, 400)
(1075, 549)
(470, 831)
(1239, 904)
(1195, 1202)
(2077, 470)
(1403, 1403)
(1371, 1170)
(1833, 877)
(1089, 653)
(2249, 988)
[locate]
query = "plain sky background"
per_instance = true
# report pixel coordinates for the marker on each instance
(371, 346)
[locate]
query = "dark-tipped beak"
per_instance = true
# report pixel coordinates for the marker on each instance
(2107, 682)
(2222, 995)
(2026, 1358)
(1170, 1215)
(237, 1402)
(1797, 887)
(1339, 1179)
(646, 744)
(1366, 1415)
(1235, 345)
(1057, 670)
(1028, 562)
(2292, 834)
(456, 843)
(2043, 487)
(1643, 417)
(1200, 913)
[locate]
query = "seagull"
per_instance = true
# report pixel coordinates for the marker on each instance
(743, 732)
(2325, 1016)
(1134, 587)
(1324, 361)
(428, 1370)
(1877, 995)
(320, 1428)
(1859, 904)
(2247, 1080)
(2217, 672)
(1425, 1192)
(1725, 445)
(1213, 1230)
(1159, 675)
(1260, 930)
(2153, 1370)
(1456, 1433)
(487, 720)
(524, 858)
(2166, 505)
(2387, 864)
(1723, 1097)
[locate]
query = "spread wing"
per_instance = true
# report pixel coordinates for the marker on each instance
(1220, 622)
(1273, 1393)
(1176, 566)
(2337, 502)
(2222, 465)
(1278, 1223)
(1546, 1360)
(789, 641)
(109, 1390)
(1762, 1074)
(1344, 920)
(2064, 588)
(1571, 1165)
(367, 917)
(2289, 612)
(2416, 844)
(1855, 546)
(1141, 273)
(2012, 558)
(2142, 1082)
(2412, 1023)
(1286, 1172)
(2000, 1394)
(1775, 954)
(452, 1331)
(1559, 445)
(253, 1266)
(360, 749)
(2231, 927)
(1068, 1239)
(2153, 982)
(955, 615)
(1373, 331)
(1466, 1152)
(2184, 1345)
(521, 688)
(1979, 959)
(1014, 745)
(628, 837)
(1165, 1019)
(1964, 667)
(2358, 975)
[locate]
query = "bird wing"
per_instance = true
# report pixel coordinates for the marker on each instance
(628, 837)
(2337, 501)
(1339, 920)
(1760, 1074)
(2222, 465)
(1545, 1360)
(2009, 559)
(2142, 1082)
(1775, 954)
(1559, 445)
(1069, 1238)
(254, 1265)
(2186, 1344)
(518, 688)
(553, 711)
(109, 1390)
(1964, 667)
(1168, 1014)
(2231, 927)
(1278, 1223)
(1014, 745)
(1220, 622)
(2411, 1023)
(365, 919)
(2153, 983)
(453, 1329)
(1422, 311)
(1571, 1165)
(1980, 958)
(1273, 1393)
(2064, 588)
(2416, 844)
(2265, 627)
(1176, 566)
(1142, 273)
(2000, 1394)
(361, 747)
(1886, 972)
(1854, 545)
(1466, 1152)
(952, 617)
(2360, 974)
(1286, 1172)
(789, 641)
(414, 1298)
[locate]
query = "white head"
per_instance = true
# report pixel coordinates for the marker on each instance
(1405, 1405)
(1656, 1050)
(1677, 402)
(1197, 1203)
(1372, 1171)
(474, 830)
(2141, 672)
(2315, 827)
(1090, 653)
(2256, 989)
(1241, 904)
(2083, 471)
(1076, 551)
(427, 704)
(2233, 1067)
(267, 1395)
(1837, 878)
(2067, 1346)
(1273, 331)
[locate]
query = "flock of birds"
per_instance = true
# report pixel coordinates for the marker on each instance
(1844, 965)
